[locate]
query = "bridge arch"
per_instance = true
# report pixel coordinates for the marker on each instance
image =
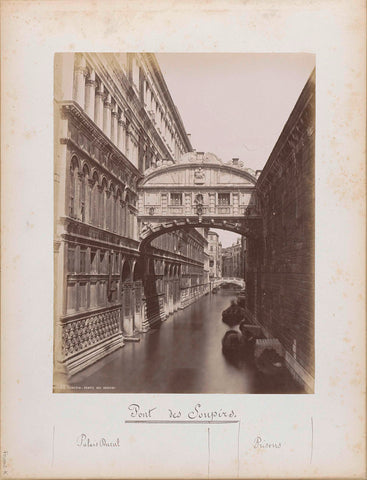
(230, 281)
(246, 227)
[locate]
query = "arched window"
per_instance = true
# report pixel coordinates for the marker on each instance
(84, 194)
(127, 216)
(122, 215)
(74, 170)
(94, 203)
(112, 213)
(102, 204)
(118, 211)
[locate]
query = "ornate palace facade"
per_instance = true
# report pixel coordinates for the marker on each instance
(114, 118)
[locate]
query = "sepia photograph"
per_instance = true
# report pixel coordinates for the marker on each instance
(184, 222)
(183, 241)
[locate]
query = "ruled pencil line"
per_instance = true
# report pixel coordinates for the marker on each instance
(208, 451)
(311, 439)
(186, 422)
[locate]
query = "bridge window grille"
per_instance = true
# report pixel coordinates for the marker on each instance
(176, 199)
(224, 199)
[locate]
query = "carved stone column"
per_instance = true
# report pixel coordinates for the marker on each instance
(90, 93)
(128, 322)
(79, 75)
(78, 196)
(60, 254)
(127, 139)
(89, 210)
(107, 210)
(98, 110)
(121, 215)
(107, 116)
(121, 134)
(114, 125)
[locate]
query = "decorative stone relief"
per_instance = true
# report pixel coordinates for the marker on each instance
(86, 332)
(199, 176)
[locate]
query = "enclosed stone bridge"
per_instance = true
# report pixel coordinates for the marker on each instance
(199, 191)
(229, 281)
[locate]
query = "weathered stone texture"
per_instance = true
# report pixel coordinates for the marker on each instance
(280, 266)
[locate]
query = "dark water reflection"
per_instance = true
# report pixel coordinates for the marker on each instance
(184, 355)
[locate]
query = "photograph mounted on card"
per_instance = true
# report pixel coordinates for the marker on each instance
(180, 270)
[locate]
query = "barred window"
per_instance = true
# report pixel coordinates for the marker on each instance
(224, 198)
(176, 198)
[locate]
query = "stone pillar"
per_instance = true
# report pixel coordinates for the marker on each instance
(171, 293)
(235, 203)
(127, 221)
(164, 203)
(114, 125)
(187, 203)
(60, 252)
(89, 210)
(176, 303)
(127, 139)
(107, 214)
(107, 116)
(77, 196)
(90, 93)
(121, 213)
(121, 134)
(80, 74)
(212, 203)
(166, 297)
(138, 306)
(135, 223)
(98, 110)
(100, 206)
(128, 323)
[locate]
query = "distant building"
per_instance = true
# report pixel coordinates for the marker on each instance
(233, 260)
(215, 255)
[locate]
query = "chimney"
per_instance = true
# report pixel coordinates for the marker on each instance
(235, 161)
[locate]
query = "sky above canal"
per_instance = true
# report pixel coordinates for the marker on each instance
(235, 105)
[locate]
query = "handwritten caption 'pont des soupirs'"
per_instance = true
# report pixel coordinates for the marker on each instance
(139, 412)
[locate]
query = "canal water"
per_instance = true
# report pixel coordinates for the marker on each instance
(183, 355)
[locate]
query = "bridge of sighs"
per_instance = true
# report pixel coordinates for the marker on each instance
(199, 191)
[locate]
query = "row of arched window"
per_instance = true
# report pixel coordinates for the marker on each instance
(94, 200)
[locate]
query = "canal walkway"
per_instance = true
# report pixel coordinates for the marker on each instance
(184, 355)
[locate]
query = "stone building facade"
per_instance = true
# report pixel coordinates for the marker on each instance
(280, 262)
(233, 261)
(114, 118)
(215, 256)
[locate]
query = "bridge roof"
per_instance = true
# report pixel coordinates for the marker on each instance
(193, 160)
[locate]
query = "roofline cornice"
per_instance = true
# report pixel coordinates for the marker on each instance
(156, 70)
(184, 166)
(306, 96)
